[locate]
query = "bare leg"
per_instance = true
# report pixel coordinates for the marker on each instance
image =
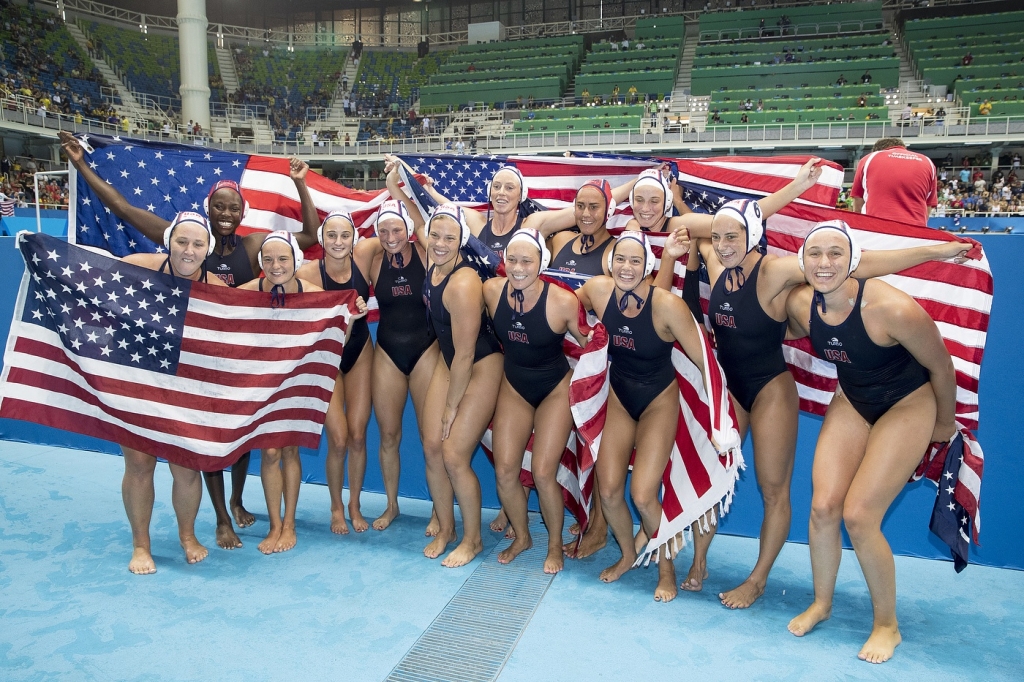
(893, 451)
(137, 494)
(239, 470)
(773, 428)
(840, 449)
(552, 426)
(186, 494)
(596, 536)
(226, 536)
(336, 428)
(437, 477)
(357, 414)
(612, 466)
(273, 490)
(475, 413)
(513, 424)
(291, 469)
(390, 388)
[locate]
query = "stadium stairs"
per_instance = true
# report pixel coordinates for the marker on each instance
(228, 73)
(129, 105)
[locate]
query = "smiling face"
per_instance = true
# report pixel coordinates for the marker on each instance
(522, 264)
(443, 239)
(729, 239)
(827, 260)
(393, 234)
(225, 211)
(648, 204)
(338, 236)
(628, 263)
(506, 190)
(278, 261)
(189, 243)
(591, 208)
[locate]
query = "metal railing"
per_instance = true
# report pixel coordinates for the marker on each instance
(849, 27)
(238, 112)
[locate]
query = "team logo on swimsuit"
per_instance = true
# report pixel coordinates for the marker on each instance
(623, 341)
(401, 280)
(624, 330)
(837, 356)
(835, 342)
(725, 320)
(726, 307)
(518, 325)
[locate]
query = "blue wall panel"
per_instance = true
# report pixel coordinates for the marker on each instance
(906, 526)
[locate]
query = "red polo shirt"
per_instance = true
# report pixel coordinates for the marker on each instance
(897, 184)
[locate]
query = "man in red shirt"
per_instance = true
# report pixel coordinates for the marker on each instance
(892, 182)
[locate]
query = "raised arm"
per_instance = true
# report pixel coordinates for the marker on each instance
(464, 295)
(676, 245)
(887, 262)
(152, 226)
(297, 169)
(805, 179)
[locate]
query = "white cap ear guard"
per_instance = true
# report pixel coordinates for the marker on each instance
(331, 216)
(287, 238)
(748, 213)
(523, 192)
(841, 227)
(653, 177)
(635, 235)
(188, 217)
(454, 212)
(534, 238)
(395, 209)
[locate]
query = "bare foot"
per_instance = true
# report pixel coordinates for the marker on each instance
(433, 528)
(142, 562)
(500, 522)
(593, 541)
(338, 524)
(881, 645)
(806, 621)
(463, 554)
(743, 596)
(666, 589)
(554, 562)
(270, 542)
(695, 578)
(242, 517)
(640, 540)
(518, 546)
(574, 529)
(286, 540)
(510, 533)
(439, 544)
(617, 570)
(226, 537)
(385, 519)
(359, 523)
(194, 550)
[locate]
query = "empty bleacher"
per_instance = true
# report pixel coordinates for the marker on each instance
(616, 117)
(651, 69)
(841, 18)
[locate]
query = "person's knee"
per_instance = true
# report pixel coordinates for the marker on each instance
(271, 456)
(826, 510)
(611, 494)
(506, 471)
(775, 495)
(646, 501)
(357, 440)
(860, 520)
(390, 439)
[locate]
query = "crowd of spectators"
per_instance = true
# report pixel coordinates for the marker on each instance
(16, 183)
(967, 190)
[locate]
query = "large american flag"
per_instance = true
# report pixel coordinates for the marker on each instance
(190, 372)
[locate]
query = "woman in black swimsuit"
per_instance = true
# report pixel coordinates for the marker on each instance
(188, 240)
(643, 323)
(464, 387)
(897, 394)
(234, 259)
(406, 352)
(747, 314)
(531, 319)
(349, 412)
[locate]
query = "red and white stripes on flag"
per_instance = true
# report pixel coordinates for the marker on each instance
(7, 208)
(700, 477)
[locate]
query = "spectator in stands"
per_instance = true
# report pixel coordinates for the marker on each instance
(865, 78)
(471, 68)
(841, 81)
(967, 59)
(744, 119)
(615, 94)
(615, 46)
(1015, 162)
(632, 92)
(357, 48)
(907, 113)
(426, 125)
(760, 106)
(985, 108)
(639, 45)
(893, 182)
(625, 43)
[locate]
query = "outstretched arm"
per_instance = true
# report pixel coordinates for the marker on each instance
(297, 170)
(805, 179)
(886, 262)
(152, 226)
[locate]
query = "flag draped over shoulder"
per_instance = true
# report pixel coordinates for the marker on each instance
(165, 178)
(193, 373)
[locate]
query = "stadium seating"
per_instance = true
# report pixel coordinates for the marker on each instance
(150, 61)
(50, 61)
(833, 18)
(650, 29)
(581, 118)
(651, 69)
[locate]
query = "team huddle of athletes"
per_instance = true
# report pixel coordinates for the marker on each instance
(472, 353)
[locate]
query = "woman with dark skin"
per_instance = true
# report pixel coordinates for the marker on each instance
(897, 394)
(234, 260)
(187, 244)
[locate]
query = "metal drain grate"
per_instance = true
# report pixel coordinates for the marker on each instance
(474, 635)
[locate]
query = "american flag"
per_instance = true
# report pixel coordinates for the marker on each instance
(952, 513)
(7, 208)
(186, 371)
(165, 178)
